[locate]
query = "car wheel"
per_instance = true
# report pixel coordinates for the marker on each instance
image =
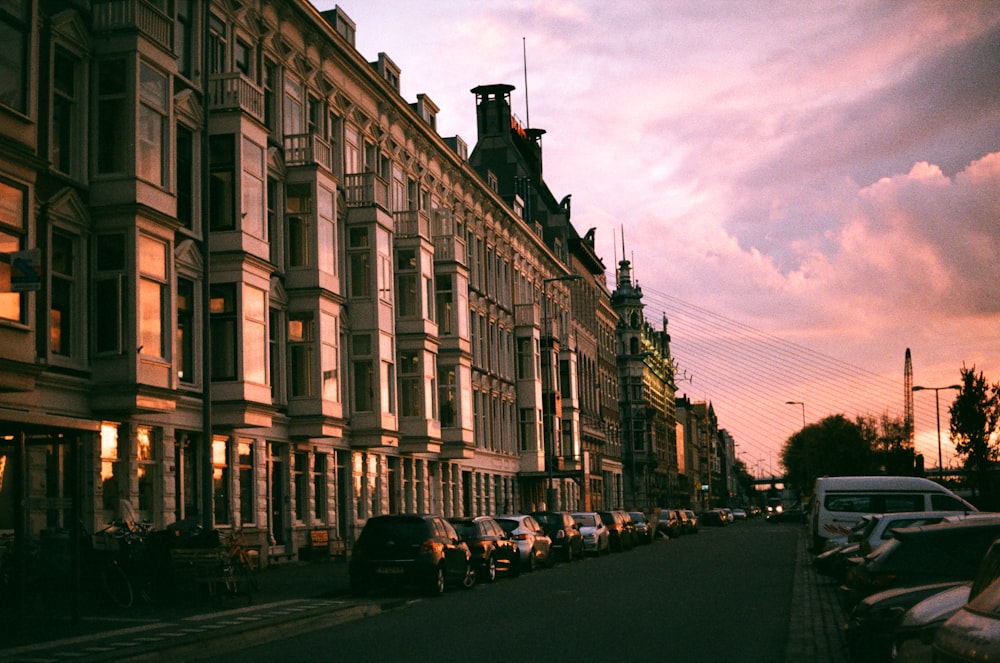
(469, 579)
(437, 581)
(490, 569)
(569, 553)
(532, 562)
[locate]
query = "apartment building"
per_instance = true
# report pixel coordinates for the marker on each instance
(646, 392)
(246, 284)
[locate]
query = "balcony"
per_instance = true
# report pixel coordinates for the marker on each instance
(526, 315)
(412, 223)
(234, 91)
(449, 249)
(307, 150)
(114, 15)
(365, 190)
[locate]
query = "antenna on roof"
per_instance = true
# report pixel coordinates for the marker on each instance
(524, 52)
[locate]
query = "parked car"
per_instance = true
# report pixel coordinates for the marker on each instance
(669, 524)
(533, 544)
(873, 620)
(739, 514)
(644, 530)
(596, 538)
(838, 502)
(713, 518)
(409, 549)
(729, 515)
(630, 532)
(914, 634)
(918, 627)
(692, 521)
(567, 542)
(682, 516)
(490, 547)
(923, 555)
(870, 532)
(973, 633)
(617, 530)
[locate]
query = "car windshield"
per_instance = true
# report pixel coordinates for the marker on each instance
(548, 518)
(637, 516)
(585, 520)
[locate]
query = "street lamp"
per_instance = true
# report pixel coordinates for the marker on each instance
(548, 392)
(937, 412)
(803, 410)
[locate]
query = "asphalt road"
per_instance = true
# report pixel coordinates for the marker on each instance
(722, 595)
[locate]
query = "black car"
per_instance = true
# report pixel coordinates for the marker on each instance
(567, 542)
(409, 549)
(944, 552)
(618, 534)
(669, 524)
(490, 546)
(644, 530)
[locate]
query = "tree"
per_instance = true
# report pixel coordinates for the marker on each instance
(890, 441)
(834, 446)
(975, 413)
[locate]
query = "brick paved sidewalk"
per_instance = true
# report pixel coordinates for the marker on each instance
(816, 625)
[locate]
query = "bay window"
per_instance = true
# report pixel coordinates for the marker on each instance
(151, 158)
(152, 296)
(254, 335)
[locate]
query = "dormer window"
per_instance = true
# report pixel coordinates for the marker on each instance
(388, 70)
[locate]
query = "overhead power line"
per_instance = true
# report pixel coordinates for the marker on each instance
(749, 376)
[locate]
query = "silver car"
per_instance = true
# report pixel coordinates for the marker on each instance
(532, 542)
(596, 537)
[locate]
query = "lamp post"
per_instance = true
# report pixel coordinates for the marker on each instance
(937, 413)
(548, 393)
(803, 410)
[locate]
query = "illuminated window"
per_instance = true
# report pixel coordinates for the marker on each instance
(301, 338)
(13, 212)
(152, 296)
(145, 471)
(220, 479)
(110, 493)
(247, 482)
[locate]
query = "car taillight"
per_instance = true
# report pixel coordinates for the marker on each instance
(430, 546)
(520, 537)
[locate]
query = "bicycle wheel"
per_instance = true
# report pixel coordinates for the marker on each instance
(117, 585)
(249, 572)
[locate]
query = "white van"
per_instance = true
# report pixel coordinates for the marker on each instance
(839, 502)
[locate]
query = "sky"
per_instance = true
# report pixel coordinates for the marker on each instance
(805, 189)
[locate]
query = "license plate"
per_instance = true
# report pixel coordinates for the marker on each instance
(389, 570)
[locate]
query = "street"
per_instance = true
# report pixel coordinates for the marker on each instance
(723, 594)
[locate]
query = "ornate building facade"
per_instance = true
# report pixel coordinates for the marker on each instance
(246, 283)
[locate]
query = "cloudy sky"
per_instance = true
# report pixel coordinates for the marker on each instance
(806, 189)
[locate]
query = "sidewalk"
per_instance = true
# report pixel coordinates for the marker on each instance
(317, 583)
(816, 625)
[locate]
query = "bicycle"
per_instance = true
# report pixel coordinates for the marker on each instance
(240, 562)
